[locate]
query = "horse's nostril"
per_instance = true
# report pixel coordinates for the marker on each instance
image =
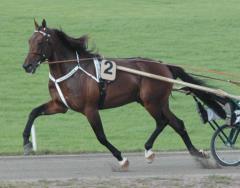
(27, 67)
(24, 66)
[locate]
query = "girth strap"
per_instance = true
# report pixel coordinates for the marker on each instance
(102, 90)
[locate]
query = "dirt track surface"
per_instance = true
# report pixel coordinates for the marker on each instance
(101, 170)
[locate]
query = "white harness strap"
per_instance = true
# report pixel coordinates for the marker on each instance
(58, 89)
(43, 33)
(97, 68)
(72, 72)
(80, 68)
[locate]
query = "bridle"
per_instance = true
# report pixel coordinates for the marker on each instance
(42, 55)
(43, 33)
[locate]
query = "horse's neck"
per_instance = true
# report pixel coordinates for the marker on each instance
(60, 69)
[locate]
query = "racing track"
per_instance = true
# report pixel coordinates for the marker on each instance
(25, 168)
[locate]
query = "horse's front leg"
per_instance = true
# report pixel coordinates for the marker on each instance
(52, 107)
(94, 119)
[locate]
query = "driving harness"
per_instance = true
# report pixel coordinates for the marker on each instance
(101, 82)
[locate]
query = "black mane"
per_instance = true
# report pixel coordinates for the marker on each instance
(77, 44)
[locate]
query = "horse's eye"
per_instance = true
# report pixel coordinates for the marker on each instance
(40, 44)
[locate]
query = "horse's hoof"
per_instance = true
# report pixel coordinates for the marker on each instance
(149, 156)
(201, 154)
(204, 154)
(124, 164)
(28, 148)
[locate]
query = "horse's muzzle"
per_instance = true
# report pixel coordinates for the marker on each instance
(29, 68)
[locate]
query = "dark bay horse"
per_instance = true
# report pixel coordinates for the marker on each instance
(81, 93)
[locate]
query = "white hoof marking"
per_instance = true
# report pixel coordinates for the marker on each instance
(149, 156)
(124, 164)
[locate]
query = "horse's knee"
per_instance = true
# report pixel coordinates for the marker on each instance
(33, 114)
(36, 112)
(181, 124)
(161, 123)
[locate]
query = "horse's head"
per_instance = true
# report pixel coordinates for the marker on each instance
(39, 47)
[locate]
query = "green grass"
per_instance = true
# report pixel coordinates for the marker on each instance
(202, 33)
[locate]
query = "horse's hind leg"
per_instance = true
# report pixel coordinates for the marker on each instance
(161, 123)
(179, 127)
(94, 119)
(52, 107)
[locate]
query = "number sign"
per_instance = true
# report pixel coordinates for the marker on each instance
(108, 70)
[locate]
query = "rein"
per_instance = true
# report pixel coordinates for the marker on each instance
(237, 83)
(66, 61)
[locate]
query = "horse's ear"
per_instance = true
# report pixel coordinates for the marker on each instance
(44, 23)
(36, 24)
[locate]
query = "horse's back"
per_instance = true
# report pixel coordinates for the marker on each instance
(129, 87)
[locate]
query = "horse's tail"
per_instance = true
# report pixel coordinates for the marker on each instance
(211, 100)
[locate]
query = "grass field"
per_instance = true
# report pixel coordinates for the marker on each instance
(203, 33)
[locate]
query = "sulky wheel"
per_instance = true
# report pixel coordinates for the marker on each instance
(225, 145)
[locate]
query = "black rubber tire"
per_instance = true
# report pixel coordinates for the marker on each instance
(213, 149)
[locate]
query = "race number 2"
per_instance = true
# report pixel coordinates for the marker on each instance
(108, 70)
